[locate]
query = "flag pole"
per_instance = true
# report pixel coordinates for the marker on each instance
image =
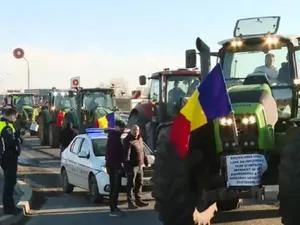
(235, 131)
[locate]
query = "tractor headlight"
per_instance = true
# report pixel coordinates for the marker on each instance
(249, 120)
(225, 121)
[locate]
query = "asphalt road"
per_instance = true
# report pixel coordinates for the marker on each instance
(51, 206)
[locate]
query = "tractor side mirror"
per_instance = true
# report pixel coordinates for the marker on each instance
(142, 80)
(71, 94)
(190, 58)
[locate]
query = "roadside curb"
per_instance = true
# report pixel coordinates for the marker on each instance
(24, 203)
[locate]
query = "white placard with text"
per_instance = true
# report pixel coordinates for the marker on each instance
(245, 169)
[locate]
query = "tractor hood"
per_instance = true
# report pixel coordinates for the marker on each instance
(254, 99)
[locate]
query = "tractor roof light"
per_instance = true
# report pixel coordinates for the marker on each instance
(236, 43)
(271, 40)
(296, 82)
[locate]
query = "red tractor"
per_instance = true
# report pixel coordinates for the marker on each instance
(168, 90)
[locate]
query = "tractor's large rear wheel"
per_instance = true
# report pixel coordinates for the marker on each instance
(43, 131)
(175, 200)
(54, 132)
(289, 178)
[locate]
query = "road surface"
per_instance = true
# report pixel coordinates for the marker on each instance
(51, 206)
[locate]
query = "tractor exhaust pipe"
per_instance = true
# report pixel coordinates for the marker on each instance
(205, 54)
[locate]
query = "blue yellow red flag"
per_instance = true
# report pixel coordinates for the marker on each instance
(107, 121)
(209, 101)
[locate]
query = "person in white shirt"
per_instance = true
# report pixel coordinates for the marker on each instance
(268, 68)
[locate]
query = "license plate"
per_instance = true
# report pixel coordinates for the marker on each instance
(147, 182)
(245, 169)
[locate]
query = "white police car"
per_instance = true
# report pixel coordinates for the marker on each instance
(83, 164)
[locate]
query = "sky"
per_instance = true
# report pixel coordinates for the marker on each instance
(99, 40)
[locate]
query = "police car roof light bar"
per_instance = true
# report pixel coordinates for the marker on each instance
(95, 130)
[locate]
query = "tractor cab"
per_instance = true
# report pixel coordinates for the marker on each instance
(93, 104)
(19, 100)
(58, 107)
(25, 105)
(258, 55)
(169, 89)
(61, 101)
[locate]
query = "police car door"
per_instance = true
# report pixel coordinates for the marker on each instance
(72, 162)
(84, 163)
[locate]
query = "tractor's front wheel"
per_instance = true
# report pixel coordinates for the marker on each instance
(289, 182)
(170, 184)
(175, 200)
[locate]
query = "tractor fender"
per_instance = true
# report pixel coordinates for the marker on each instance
(47, 116)
(71, 116)
(161, 126)
(141, 114)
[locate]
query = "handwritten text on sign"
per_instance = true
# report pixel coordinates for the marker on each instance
(245, 170)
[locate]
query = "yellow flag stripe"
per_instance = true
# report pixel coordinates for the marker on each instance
(193, 112)
(102, 122)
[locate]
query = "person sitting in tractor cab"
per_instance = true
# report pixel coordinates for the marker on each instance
(176, 93)
(269, 67)
(175, 96)
(284, 75)
(193, 86)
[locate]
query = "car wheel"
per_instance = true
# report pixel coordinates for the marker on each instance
(67, 187)
(94, 190)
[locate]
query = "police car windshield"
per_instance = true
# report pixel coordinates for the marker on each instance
(99, 147)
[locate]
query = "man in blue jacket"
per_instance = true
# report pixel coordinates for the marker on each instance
(114, 162)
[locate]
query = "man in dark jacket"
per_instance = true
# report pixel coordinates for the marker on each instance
(67, 134)
(9, 152)
(135, 159)
(114, 160)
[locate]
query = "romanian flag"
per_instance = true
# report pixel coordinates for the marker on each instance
(107, 121)
(209, 101)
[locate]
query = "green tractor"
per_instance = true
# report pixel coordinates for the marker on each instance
(26, 107)
(92, 104)
(50, 120)
(233, 158)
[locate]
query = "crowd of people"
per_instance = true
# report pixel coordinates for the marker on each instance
(129, 158)
(121, 157)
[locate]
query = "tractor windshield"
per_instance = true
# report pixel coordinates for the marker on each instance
(64, 101)
(21, 100)
(97, 99)
(177, 88)
(243, 62)
(254, 59)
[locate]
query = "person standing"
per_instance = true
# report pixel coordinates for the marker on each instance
(135, 159)
(9, 152)
(114, 159)
(67, 134)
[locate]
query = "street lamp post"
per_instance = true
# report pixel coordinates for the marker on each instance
(19, 54)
